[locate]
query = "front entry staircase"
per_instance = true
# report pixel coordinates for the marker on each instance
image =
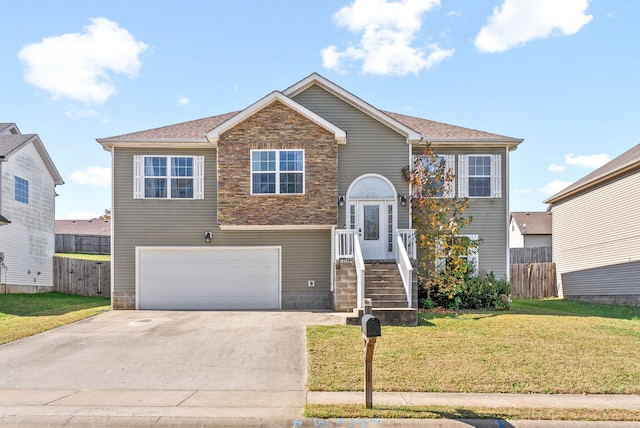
(383, 286)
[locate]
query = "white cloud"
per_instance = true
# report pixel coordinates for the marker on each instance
(93, 175)
(454, 13)
(554, 187)
(387, 30)
(592, 161)
(557, 168)
(516, 22)
(183, 101)
(79, 65)
(526, 191)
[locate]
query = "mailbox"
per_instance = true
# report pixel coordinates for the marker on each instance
(370, 326)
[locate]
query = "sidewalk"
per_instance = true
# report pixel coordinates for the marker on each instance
(171, 408)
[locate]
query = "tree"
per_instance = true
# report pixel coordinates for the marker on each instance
(442, 254)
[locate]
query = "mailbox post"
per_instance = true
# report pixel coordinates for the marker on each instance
(370, 331)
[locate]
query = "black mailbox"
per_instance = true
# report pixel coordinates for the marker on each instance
(370, 326)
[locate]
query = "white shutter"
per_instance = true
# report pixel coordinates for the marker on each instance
(496, 172)
(473, 255)
(198, 177)
(138, 177)
(450, 165)
(463, 176)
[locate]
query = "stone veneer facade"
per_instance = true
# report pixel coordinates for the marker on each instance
(277, 126)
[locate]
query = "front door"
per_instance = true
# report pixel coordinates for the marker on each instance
(371, 225)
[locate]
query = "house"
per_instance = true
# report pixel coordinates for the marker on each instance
(530, 229)
(28, 179)
(281, 205)
(91, 236)
(596, 234)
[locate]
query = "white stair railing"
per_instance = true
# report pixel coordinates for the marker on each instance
(359, 262)
(344, 244)
(406, 270)
(408, 237)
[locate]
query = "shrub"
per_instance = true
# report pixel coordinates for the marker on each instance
(470, 292)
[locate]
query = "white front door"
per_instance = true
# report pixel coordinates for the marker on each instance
(371, 226)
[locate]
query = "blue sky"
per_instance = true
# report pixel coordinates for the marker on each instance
(563, 75)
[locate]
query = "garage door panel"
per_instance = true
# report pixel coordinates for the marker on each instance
(208, 278)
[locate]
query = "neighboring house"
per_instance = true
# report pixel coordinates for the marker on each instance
(28, 179)
(257, 209)
(83, 236)
(596, 233)
(530, 229)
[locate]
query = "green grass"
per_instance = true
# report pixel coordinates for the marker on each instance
(540, 346)
(23, 315)
(347, 411)
(97, 257)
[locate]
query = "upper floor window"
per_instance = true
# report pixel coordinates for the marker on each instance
(277, 172)
(168, 177)
(21, 190)
(438, 168)
(479, 176)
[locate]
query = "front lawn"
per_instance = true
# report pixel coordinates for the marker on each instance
(539, 346)
(23, 315)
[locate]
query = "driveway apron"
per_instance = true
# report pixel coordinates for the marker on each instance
(154, 359)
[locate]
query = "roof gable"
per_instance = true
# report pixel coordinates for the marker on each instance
(214, 135)
(316, 79)
(12, 143)
(626, 162)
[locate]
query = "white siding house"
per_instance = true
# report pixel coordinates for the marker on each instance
(28, 179)
(596, 233)
(530, 229)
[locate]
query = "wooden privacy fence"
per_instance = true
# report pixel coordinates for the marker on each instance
(530, 255)
(533, 280)
(86, 244)
(82, 277)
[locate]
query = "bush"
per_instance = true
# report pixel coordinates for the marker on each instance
(473, 292)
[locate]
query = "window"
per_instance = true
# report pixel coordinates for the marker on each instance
(471, 257)
(277, 172)
(168, 177)
(21, 190)
(444, 190)
(479, 176)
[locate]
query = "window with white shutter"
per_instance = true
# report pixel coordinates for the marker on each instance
(480, 176)
(168, 177)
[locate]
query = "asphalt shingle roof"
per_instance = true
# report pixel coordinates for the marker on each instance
(10, 142)
(94, 226)
(537, 223)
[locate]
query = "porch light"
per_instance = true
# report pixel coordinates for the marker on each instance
(403, 200)
(207, 237)
(341, 201)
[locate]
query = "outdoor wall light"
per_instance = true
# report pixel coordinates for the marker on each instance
(341, 201)
(403, 200)
(207, 237)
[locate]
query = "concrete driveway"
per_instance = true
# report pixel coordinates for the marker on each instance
(160, 364)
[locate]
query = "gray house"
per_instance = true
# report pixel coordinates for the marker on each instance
(288, 204)
(596, 234)
(28, 179)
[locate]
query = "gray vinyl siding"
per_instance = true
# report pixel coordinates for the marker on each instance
(490, 215)
(371, 147)
(620, 279)
(306, 254)
(596, 229)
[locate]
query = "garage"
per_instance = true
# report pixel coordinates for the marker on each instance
(205, 278)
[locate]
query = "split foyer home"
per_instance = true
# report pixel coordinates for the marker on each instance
(596, 233)
(296, 202)
(28, 179)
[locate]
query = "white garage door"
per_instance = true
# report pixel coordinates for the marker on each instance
(208, 278)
